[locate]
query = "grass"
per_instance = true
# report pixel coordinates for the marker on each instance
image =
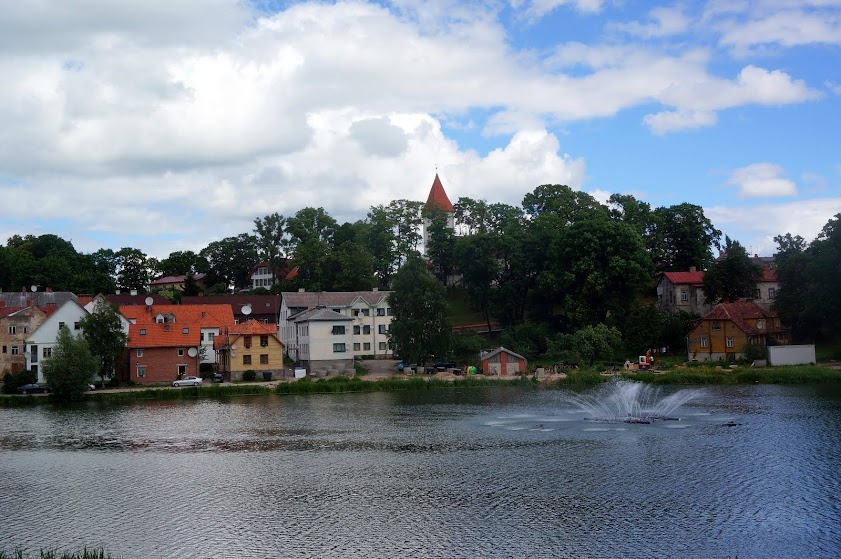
(48, 554)
(353, 384)
(459, 311)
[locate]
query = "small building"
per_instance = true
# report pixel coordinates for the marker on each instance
(42, 340)
(174, 282)
(249, 345)
(727, 330)
(682, 291)
(16, 323)
(324, 341)
(502, 361)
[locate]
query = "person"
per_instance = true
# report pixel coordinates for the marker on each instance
(627, 364)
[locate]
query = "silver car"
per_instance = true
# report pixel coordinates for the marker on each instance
(187, 381)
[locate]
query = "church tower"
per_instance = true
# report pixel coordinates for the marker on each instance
(438, 200)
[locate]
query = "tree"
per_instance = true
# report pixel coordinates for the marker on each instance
(683, 237)
(69, 370)
(232, 259)
(570, 205)
(102, 330)
(476, 255)
(733, 276)
(182, 263)
(441, 245)
(132, 269)
(271, 238)
(420, 328)
(602, 268)
(308, 224)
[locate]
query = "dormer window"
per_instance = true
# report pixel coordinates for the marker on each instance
(143, 331)
(760, 324)
(185, 331)
(159, 319)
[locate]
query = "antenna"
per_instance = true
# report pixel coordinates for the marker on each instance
(33, 288)
(149, 301)
(246, 310)
(192, 352)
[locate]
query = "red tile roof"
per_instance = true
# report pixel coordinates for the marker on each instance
(247, 328)
(739, 312)
(438, 198)
(685, 278)
(175, 279)
(171, 334)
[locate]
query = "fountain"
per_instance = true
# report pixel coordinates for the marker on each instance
(624, 401)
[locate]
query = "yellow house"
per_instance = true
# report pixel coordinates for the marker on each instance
(729, 328)
(250, 345)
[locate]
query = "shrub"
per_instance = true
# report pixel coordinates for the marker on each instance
(249, 375)
(754, 352)
(11, 381)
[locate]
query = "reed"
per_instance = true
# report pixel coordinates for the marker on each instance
(50, 554)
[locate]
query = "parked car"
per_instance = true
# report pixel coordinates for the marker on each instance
(218, 377)
(187, 381)
(33, 389)
(444, 365)
(403, 366)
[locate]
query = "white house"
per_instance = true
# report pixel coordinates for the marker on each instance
(39, 345)
(369, 310)
(323, 340)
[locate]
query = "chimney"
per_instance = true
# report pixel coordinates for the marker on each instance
(133, 292)
(49, 290)
(376, 289)
(301, 290)
(693, 269)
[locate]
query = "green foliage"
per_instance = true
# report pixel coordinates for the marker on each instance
(755, 352)
(587, 345)
(11, 381)
(467, 346)
(683, 237)
(420, 327)
(69, 370)
(102, 330)
(249, 376)
(645, 327)
(733, 276)
(529, 339)
(476, 257)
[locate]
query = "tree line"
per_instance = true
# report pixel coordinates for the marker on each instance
(558, 263)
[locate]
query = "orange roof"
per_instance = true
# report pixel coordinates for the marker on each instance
(438, 198)
(203, 315)
(250, 327)
(165, 334)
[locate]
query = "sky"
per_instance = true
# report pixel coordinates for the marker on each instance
(166, 125)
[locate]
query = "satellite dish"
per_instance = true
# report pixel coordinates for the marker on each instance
(34, 288)
(149, 301)
(233, 353)
(246, 310)
(234, 347)
(192, 352)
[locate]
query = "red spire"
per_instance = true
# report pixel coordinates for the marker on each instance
(438, 198)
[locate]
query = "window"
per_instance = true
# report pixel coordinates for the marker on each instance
(357, 330)
(382, 329)
(140, 353)
(382, 346)
(246, 360)
(166, 327)
(264, 359)
(143, 331)
(684, 296)
(11, 329)
(180, 352)
(24, 328)
(389, 312)
(4, 349)
(339, 348)
(760, 324)
(61, 325)
(264, 341)
(247, 341)
(366, 346)
(338, 330)
(772, 293)
(182, 370)
(185, 330)
(716, 325)
(381, 312)
(704, 342)
(356, 347)
(201, 337)
(141, 370)
(355, 312)
(77, 326)
(14, 350)
(366, 330)
(757, 294)
(729, 341)
(210, 336)
(46, 352)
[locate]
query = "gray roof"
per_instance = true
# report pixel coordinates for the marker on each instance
(311, 299)
(38, 298)
(499, 350)
(319, 314)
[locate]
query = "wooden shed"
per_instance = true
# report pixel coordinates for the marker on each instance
(502, 361)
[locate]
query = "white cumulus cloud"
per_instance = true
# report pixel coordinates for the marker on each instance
(762, 180)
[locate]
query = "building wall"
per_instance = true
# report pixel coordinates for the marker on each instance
(716, 341)
(682, 297)
(161, 364)
(273, 352)
(69, 314)
(13, 346)
(316, 345)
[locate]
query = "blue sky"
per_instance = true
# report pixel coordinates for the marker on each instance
(167, 125)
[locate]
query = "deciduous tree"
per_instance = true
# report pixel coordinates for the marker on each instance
(733, 276)
(102, 329)
(69, 370)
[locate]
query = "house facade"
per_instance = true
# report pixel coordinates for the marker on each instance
(170, 341)
(249, 345)
(684, 291)
(502, 362)
(369, 312)
(174, 282)
(729, 328)
(41, 341)
(324, 341)
(16, 324)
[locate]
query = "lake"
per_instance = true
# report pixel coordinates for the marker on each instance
(747, 472)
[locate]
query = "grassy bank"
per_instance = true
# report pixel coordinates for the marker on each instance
(351, 384)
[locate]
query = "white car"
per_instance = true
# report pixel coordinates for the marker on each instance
(187, 381)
